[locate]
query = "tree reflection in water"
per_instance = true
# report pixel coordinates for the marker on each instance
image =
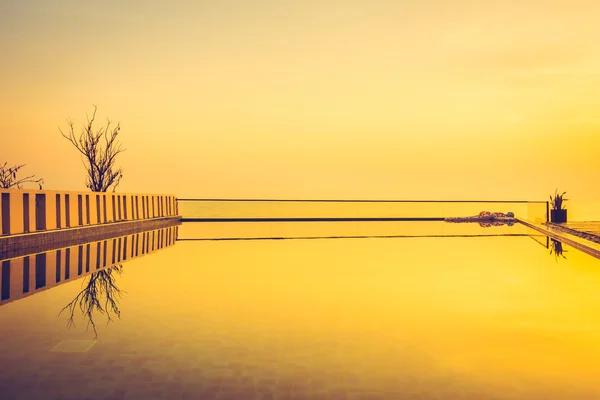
(100, 293)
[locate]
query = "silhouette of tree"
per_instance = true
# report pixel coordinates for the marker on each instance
(99, 149)
(100, 293)
(9, 178)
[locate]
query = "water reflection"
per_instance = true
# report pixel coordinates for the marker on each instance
(418, 318)
(337, 230)
(488, 224)
(100, 293)
(98, 263)
(556, 247)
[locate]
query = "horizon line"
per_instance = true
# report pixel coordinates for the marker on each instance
(363, 200)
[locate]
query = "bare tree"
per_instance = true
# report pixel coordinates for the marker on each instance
(99, 149)
(89, 299)
(9, 178)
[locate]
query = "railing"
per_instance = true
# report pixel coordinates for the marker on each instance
(23, 211)
(239, 210)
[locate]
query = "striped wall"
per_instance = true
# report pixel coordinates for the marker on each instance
(23, 276)
(23, 211)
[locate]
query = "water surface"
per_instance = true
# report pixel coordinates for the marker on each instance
(364, 318)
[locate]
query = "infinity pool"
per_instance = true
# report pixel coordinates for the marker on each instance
(463, 316)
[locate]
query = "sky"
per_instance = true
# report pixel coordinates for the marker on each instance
(425, 99)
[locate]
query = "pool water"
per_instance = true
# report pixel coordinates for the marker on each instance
(457, 317)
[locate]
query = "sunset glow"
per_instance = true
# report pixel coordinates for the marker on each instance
(311, 99)
(310, 199)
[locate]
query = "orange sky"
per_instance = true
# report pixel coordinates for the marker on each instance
(311, 99)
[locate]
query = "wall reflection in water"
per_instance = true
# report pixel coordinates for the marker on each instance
(98, 263)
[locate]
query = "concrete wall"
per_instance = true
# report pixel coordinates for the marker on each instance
(23, 211)
(24, 276)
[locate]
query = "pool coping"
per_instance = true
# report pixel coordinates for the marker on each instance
(19, 245)
(591, 236)
(579, 243)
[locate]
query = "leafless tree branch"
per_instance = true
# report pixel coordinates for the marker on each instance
(9, 179)
(98, 155)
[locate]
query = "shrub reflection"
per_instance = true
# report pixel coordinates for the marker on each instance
(556, 248)
(99, 294)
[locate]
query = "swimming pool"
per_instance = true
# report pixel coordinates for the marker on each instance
(350, 310)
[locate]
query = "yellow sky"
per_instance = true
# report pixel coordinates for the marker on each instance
(311, 99)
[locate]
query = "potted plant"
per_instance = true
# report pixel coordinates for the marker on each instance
(558, 213)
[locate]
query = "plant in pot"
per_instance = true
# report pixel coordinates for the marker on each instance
(558, 213)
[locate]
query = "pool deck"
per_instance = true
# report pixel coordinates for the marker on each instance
(582, 235)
